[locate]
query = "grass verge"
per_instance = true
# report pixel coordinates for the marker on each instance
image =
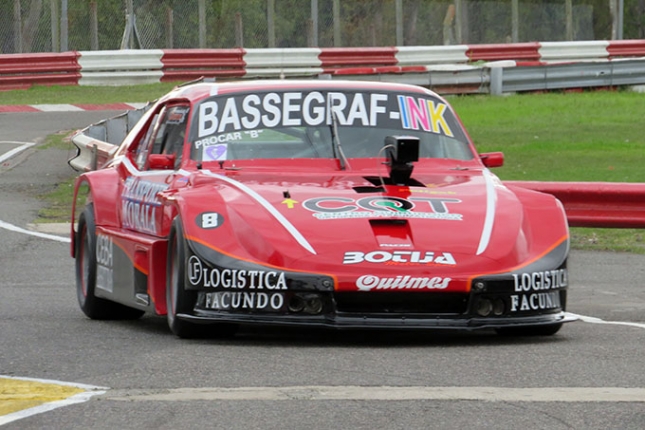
(82, 94)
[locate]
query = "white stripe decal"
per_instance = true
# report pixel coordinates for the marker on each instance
(136, 172)
(491, 201)
(273, 211)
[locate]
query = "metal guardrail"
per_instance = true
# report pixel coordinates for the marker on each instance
(572, 75)
(507, 77)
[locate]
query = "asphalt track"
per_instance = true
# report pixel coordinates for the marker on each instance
(104, 375)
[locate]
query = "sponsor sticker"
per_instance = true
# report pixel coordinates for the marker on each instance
(537, 281)
(372, 282)
(201, 276)
(535, 301)
(400, 258)
(538, 290)
(382, 207)
(104, 262)
(140, 204)
(177, 115)
(244, 300)
(218, 116)
(215, 152)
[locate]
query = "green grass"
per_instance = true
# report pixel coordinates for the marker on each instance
(59, 203)
(80, 94)
(588, 136)
(59, 199)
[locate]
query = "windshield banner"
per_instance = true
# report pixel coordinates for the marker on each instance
(222, 115)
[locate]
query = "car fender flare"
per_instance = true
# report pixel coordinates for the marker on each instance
(94, 187)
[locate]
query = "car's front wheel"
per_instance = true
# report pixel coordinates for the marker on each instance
(86, 267)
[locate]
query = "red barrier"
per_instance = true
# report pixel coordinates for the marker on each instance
(334, 58)
(596, 204)
(190, 64)
(510, 51)
(25, 70)
(626, 48)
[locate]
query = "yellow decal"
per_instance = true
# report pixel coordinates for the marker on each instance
(437, 119)
(289, 203)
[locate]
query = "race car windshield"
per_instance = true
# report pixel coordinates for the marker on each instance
(299, 124)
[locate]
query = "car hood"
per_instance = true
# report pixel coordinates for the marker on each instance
(449, 222)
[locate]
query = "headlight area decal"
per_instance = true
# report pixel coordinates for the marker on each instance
(552, 257)
(208, 251)
(538, 291)
(227, 283)
(536, 287)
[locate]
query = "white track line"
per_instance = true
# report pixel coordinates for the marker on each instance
(9, 154)
(594, 320)
(317, 393)
(91, 390)
(17, 229)
(11, 227)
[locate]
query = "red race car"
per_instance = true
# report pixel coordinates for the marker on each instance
(314, 203)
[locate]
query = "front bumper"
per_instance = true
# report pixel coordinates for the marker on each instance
(344, 321)
(235, 291)
(445, 312)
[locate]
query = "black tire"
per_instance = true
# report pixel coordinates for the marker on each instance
(533, 330)
(178, 299)
(94, 307)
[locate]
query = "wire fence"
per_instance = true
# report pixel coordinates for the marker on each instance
(28, 26)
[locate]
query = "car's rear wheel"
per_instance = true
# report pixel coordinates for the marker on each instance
(534, 330)
(92, 306)
(179, 299)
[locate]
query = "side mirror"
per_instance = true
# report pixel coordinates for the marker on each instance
(161, 161)
(492, 159)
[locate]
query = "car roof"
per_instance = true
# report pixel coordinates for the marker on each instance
(199, 90)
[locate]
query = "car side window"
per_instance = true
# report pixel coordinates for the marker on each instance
(142, 151)
(170, 136)
(165, 135)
